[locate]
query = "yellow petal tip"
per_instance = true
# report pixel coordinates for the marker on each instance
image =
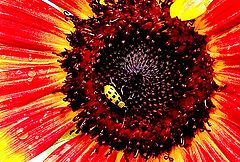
(188, 9)
(7, 154)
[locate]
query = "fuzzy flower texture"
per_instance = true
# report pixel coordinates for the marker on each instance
(119, 80)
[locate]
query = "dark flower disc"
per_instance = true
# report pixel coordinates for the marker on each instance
(158, 67)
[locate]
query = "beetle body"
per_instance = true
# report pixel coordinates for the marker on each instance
(112, 95)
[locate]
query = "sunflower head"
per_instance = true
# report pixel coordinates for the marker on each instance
(155, 66)
(132, 80)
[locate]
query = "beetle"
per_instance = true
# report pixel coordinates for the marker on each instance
(112, 95)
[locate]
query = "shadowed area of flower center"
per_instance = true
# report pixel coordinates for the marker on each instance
(157, 66)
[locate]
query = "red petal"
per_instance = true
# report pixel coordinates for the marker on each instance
(72, 149)
(220, 144)
(226, 135)
(200, 149)
(32, 25)
(35, 127)
(27, 79)
(83, 148)
(224, 48)
(225, 44)
(31, 31)
(220, 15)
(228, 103)
(10, 116)
(22, 82)
(24, 97)
(25, 56)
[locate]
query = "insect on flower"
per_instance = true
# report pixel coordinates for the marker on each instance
(112, 95)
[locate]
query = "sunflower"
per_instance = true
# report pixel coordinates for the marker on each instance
(120, 80)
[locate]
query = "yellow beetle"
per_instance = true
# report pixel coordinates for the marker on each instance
(111, 94)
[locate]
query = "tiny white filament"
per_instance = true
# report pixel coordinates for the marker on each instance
(53, 5)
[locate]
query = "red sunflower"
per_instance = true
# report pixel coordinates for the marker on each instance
(120, 80)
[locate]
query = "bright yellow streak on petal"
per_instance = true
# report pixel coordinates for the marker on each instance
(177, 154)
(188, 9)
(56, 42)
(102, 2)
(215, 98)
(220, 127)
(218, 66)
(86, 10)
(67, 136)
(71, 115)
(153, 160)
(213, 51)
(84, 16)
(93, 144)
(6, 153)
(218, 80)
(66, 28)
(203, 139)
(219, 83)
(59, 77)
(119, 156)
(201, 26)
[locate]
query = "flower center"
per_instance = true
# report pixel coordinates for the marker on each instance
(141, 79)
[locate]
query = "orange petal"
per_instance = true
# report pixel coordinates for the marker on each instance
(222, 143)
(196, 154)
(27, 79)
(31, 31)
(220, 15)
(7, 155)
(79, 8)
